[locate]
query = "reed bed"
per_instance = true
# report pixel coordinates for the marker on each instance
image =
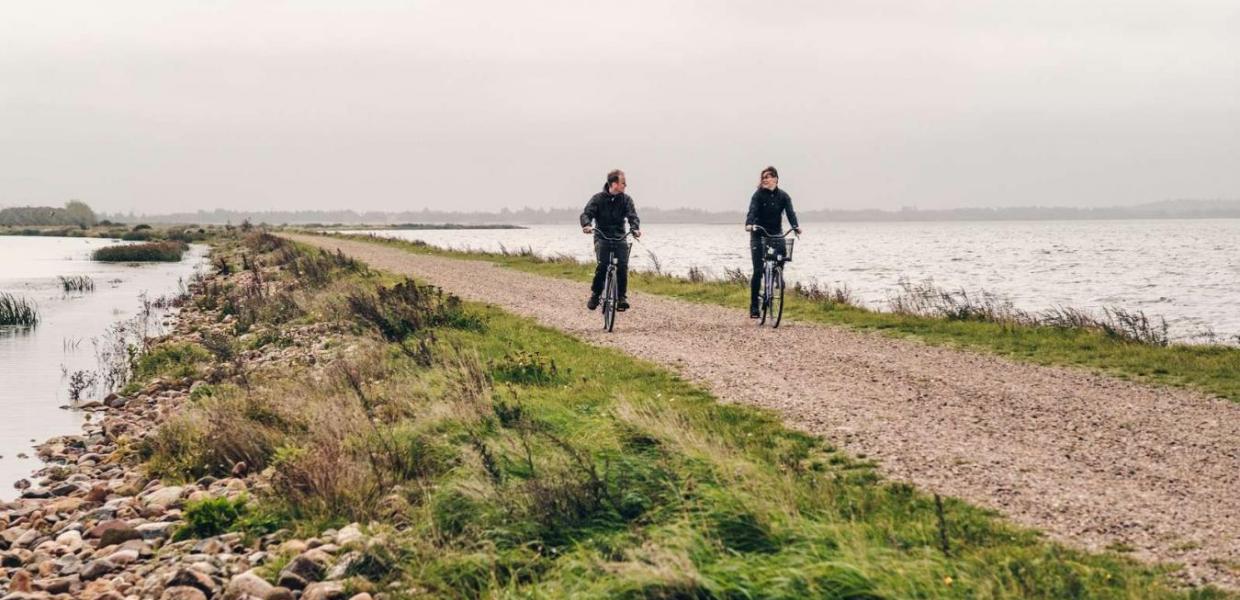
(16, 310)
(77, 283)
(168, 251)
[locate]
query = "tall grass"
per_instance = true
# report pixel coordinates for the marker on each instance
(77, 283)
(17, 311)
(167, 251)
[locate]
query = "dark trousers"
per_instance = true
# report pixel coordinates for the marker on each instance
(757, 251)
(603, 249)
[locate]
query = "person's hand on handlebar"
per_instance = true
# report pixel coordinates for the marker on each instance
(749, 228)
(797, 229)
(587, 229)
(637, 233)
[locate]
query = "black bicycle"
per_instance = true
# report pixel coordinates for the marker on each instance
(776, 250)
(611, 291)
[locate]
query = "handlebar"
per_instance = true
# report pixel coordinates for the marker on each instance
(627, 234)
(768, 234)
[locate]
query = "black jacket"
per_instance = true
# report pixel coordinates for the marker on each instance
(609, 212)
(766, 208)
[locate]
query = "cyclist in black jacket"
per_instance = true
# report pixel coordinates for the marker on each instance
(766, 209)
(605, 214)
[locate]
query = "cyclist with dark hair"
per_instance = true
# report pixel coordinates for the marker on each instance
(766, 210)
(605, 215)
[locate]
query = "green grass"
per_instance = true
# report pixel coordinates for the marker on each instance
(509, 460)
(1208, 368)
(166, 251)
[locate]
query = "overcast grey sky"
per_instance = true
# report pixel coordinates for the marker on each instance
(166, 106)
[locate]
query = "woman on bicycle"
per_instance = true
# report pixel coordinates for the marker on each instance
(766, 210)
(605, 214)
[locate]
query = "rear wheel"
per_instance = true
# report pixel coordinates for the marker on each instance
(777, 297)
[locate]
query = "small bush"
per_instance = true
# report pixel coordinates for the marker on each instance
(142, 235)
(171, 360)
(148, 252)
(17, 311)
(211, 516)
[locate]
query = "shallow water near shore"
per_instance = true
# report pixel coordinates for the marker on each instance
(1187, 271)
(36, 363)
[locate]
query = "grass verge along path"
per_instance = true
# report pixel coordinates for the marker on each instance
(1209, 368)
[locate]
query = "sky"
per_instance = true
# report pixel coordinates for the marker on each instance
(167, 106)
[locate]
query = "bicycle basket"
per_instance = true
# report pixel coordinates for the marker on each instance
(779, 248)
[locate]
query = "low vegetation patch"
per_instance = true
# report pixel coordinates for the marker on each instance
(1118, 342)
(165, 251)
(503, 459)
(77, 283)
(17, 310)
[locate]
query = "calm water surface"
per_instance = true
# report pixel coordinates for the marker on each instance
(35, 363)
(1185, 270)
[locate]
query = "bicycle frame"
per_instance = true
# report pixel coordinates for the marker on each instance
(610, 285)
(773, 275)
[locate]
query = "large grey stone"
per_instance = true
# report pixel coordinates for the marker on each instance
(247, 584)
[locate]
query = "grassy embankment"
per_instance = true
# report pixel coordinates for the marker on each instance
(498, 458)
(1119, 344)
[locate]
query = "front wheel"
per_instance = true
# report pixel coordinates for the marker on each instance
(609, 301)
(777, 297)
(767, 290)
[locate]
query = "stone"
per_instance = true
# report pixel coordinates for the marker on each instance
(183, 592)
(341, 568)
(37, 492)
(64, 505)
(58, 585)
(96, 569)
(154, 531)
(192, 578)
(97, 493)
(21, 581)
(71, 539)
(118, 535)
(327, 590)
(123, 557)
(98, 530)
(247, 584)
(26, 539)
(349, 535)
(279, 593)
(164, 497)
(362, 596)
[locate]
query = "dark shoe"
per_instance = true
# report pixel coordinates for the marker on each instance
(622, 305)
(592, 303)
(753, 312)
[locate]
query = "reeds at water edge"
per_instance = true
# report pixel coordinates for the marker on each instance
(77, 283)
(16, 310)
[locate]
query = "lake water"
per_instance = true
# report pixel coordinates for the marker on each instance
(1187, 271)
(36, 363)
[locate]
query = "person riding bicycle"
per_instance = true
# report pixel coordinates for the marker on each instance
(605, 215)
(766, 210)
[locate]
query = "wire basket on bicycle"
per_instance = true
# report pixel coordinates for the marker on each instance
(779, 248)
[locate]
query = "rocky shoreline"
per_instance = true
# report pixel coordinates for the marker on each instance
(93, 525)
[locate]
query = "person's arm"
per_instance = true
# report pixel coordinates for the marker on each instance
(630, 213)
(752, 216)
(792, 214)
(588, 214)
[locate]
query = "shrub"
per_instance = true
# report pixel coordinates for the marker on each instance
(528, 368)
(142, 235)
(148, 252)
(211, 516)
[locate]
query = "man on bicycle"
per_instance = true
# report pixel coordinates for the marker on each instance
(605, 215)
(766, 210)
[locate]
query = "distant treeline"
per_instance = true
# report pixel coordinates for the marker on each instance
(74, 213)
(1171, 209)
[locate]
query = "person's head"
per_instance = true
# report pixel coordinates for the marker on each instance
(769, 178)
(615, 182)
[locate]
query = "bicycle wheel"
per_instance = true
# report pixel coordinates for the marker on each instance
(609, 300)
(777, 296)
(766, 294)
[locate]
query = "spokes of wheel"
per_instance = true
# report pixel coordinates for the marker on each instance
(777, 297)
(766, 295)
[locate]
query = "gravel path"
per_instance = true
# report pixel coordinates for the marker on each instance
(1092, 460)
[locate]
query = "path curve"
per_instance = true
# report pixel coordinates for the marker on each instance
(1092, 460)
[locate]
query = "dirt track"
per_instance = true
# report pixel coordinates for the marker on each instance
(1092, 460)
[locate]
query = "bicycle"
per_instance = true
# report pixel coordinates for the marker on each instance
(774, 255)
(611, 292)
